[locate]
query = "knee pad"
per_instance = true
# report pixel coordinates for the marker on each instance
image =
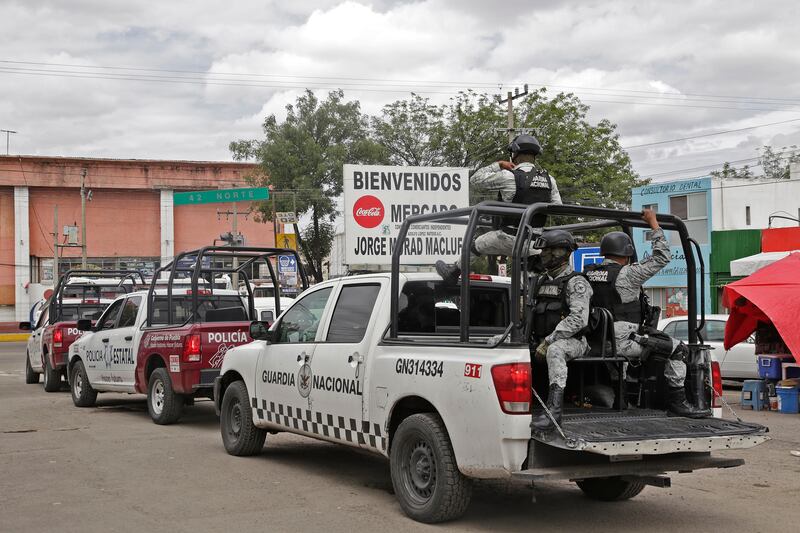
(474, 249)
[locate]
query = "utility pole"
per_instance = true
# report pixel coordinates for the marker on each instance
(8, 133)
(55, 247)
(509, 101)
(83, 219)
(235, 232)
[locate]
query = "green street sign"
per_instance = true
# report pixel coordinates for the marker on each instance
(220, 195)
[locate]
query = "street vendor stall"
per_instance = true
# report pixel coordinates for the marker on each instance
(767, 303)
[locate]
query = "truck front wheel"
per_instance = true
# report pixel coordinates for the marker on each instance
(425, 476)
(610, 489)
(30, 376)
(163, 403)
(239, 435)
(83, 395)
(52, 378)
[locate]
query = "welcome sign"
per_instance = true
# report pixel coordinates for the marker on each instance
(377, 199)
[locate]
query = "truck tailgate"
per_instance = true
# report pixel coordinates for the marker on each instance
(650, 432)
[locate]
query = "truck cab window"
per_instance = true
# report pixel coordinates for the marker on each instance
(352, 313)
(109, 318)
(129, 311)
(301, 321)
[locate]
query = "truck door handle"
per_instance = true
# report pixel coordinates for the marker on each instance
(303, 356)
(129, 338)
(355, 356)
(104, 340)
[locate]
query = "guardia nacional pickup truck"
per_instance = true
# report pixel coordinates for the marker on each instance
(439, 379)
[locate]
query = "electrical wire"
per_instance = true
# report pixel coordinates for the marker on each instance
(708, 134)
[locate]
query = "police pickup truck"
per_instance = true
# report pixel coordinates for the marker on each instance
(75, 297)
(168, 343)
(439, 379)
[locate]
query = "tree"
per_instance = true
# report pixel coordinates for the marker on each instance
(302, 159)
(590, 166)
(774, 165)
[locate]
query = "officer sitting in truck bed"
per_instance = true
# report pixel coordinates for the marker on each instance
(617, 285)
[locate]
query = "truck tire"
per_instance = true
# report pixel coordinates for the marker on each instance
(239, 435)
(164, 405)
(425, 476)
(83, 395)
(30, 376)
(52, 378)
(610, 489)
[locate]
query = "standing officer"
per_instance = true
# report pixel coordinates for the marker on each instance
(518, 181)
(617, 284)
(559, 314)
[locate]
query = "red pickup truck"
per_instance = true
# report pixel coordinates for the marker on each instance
(75, 297)
(167, 343)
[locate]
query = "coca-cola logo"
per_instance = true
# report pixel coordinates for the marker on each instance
(368, 211)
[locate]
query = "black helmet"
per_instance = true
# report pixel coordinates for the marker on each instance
(524, 144)
(556, 238)
(617, 243)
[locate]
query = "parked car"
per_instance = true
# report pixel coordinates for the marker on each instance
(737, 363)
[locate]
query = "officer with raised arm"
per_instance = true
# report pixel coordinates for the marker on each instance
(559, 315)
(617, 284)
(519, 181)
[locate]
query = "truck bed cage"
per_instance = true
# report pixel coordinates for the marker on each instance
(481, 215)
(248, 255)
(57, 300)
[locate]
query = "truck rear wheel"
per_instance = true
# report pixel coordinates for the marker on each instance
(239, 435)
(83, 395)
(610, 489)
(52, 378)
(163, 404)
(30, 376)
(425, 476)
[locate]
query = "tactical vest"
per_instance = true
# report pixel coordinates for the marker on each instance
(603, 278)
(532, 187)
(550, 305)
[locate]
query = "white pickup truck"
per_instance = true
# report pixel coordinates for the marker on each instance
(442, 411)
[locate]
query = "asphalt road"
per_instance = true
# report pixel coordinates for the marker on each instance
(111, 469)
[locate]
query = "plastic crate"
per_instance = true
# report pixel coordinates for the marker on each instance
(788, 399)
(769, 366)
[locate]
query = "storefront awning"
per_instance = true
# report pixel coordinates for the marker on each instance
(749, 265)
(771, 295)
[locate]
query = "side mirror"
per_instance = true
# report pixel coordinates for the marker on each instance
(25, 326)
(260, 331)
(84, 324)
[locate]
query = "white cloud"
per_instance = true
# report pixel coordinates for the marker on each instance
(669, 55)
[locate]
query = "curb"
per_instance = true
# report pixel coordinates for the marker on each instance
(14, 337)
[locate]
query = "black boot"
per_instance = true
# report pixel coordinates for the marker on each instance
(449, 273)
(679, 406)
(555, 401)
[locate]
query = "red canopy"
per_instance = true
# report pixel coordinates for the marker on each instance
(771, 294)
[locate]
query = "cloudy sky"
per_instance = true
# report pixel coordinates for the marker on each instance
(180, 80)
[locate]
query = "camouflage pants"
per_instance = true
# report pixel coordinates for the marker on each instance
(498, 242)
(674, 371)
(559, 354)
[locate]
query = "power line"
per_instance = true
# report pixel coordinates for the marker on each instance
(709, 134)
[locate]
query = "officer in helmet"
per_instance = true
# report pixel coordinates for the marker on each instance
(617, 284)
(558, 315)
(518, 181)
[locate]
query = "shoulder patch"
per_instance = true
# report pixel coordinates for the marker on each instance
(579, 285)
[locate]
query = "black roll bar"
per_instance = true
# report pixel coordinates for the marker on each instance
(249, 254)
(603, 218)
(57, 299)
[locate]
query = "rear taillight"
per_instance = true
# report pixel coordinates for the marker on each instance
(716, 382)
(191, 348)
(58, 337)
(201, 292)
(513, 385)
(480, 277)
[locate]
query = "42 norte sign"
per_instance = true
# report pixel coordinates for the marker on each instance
(377, 199)
(221, 195)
